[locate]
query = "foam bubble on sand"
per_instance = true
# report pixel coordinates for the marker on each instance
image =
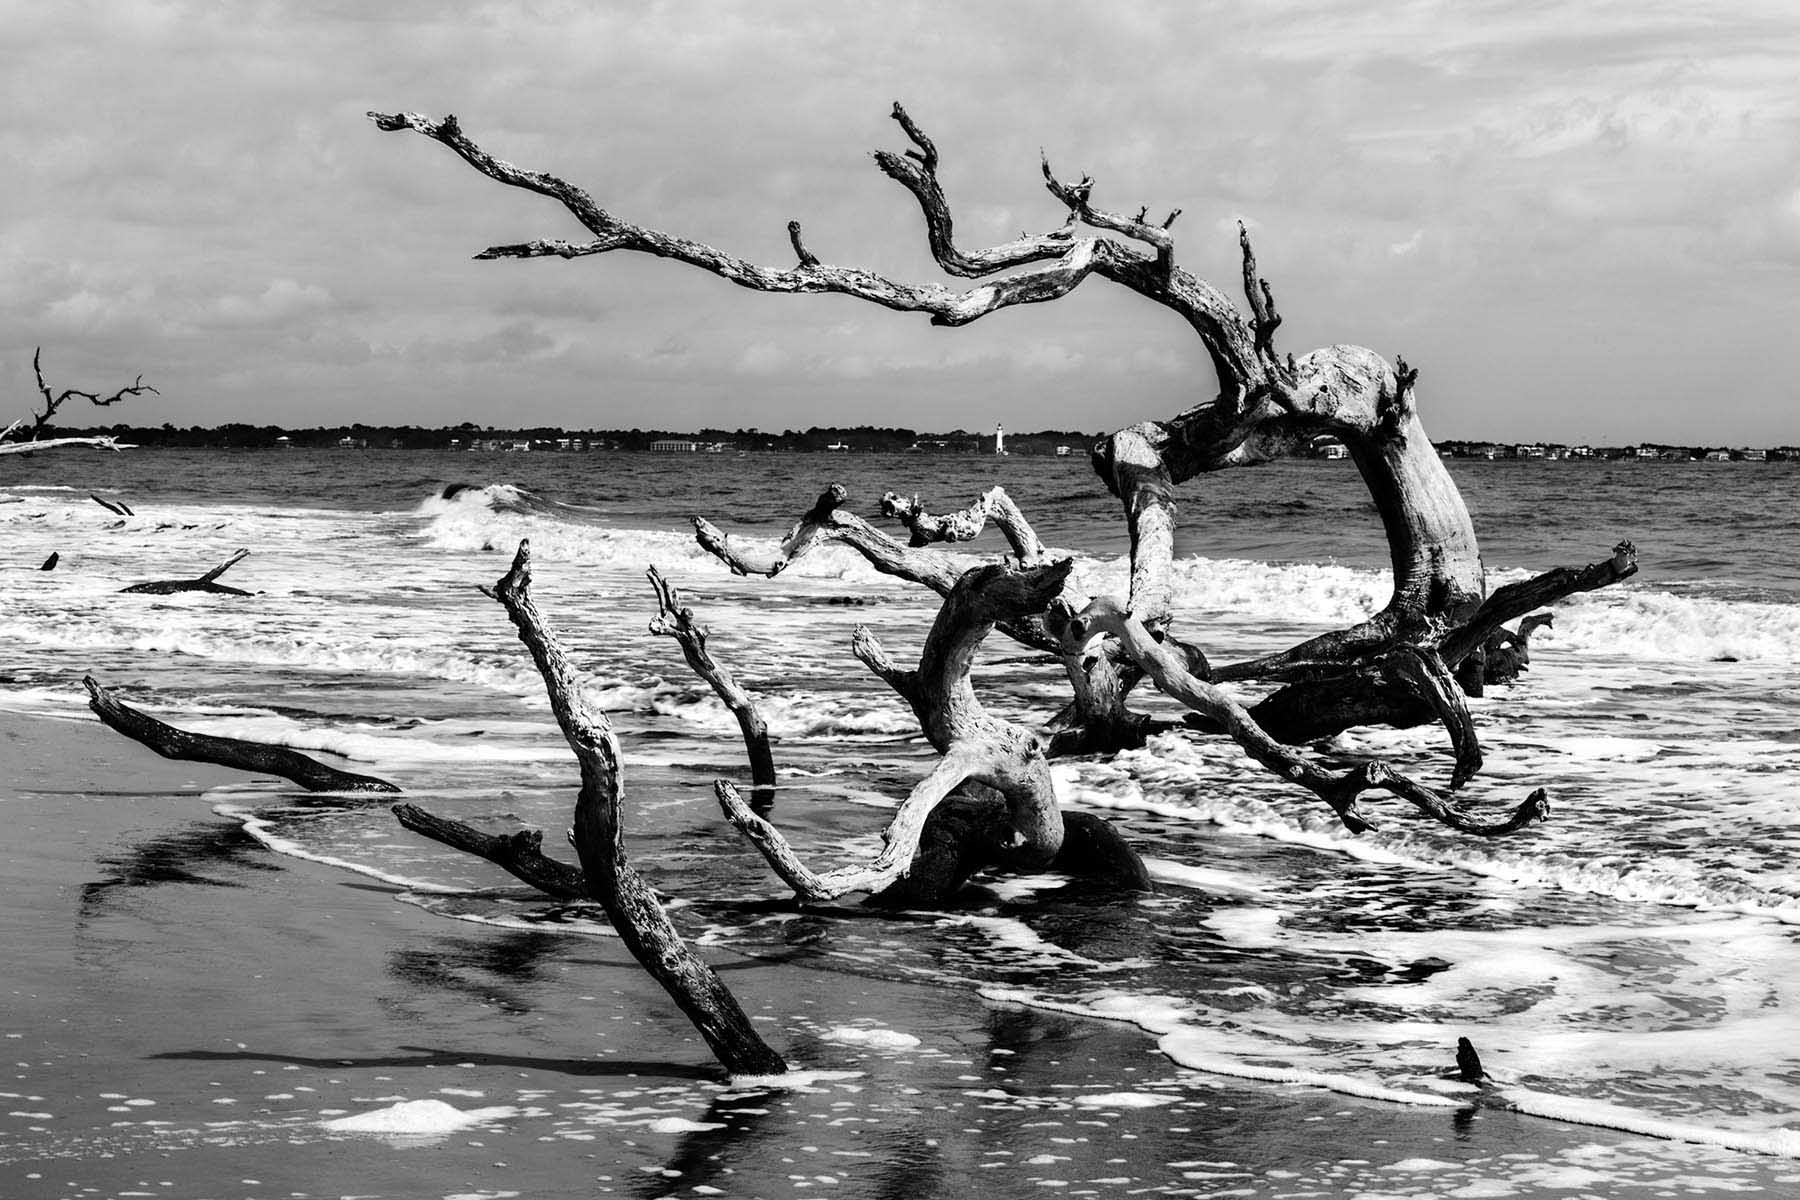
(419, 1118)
(1126, 1100)
(874, 1039)
(681, 1125)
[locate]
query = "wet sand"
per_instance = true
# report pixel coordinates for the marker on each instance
(187, 1013)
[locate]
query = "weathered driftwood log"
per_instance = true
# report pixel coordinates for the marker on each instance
(54, 401)
(1024, 827)
(1104, 616)
(675, 620)
(204, 583)
(521, 853)
(966, 524)
(599, 840)
(240, 753)
(117, 508)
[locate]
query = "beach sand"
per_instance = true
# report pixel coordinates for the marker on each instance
(187, 1013)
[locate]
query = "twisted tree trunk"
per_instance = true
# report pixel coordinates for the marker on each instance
(1011, 820)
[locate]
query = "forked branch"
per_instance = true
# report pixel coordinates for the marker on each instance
(598, 835)
(208, 582)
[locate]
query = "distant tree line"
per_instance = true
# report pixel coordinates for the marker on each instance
(859, 438)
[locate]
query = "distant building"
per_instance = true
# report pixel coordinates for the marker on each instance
(1754, 455)
(1528, 451)
(999, 438)
(1718, 456)
(674, 446)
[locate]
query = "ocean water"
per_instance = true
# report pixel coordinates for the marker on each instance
(1632, 965)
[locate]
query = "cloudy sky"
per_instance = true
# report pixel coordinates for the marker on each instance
(1580, 220)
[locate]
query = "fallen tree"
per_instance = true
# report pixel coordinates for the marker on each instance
(1411, 662)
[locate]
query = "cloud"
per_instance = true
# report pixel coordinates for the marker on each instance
(282, 300)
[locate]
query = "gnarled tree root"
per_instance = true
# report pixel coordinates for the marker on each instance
(244, 755)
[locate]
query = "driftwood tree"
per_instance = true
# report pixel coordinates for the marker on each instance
(20, 438)
(1412, 662)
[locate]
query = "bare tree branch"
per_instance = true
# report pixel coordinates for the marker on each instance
(673, 619)
(238, 753)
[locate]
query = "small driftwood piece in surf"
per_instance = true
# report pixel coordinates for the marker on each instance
(520, 853)
(50, 563)
(1468, 1062)
(116, 507)
(208, 582)
(239, 753)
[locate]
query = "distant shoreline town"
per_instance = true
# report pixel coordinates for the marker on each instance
(825, 440)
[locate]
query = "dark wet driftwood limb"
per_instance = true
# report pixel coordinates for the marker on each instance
(521, 853)
(675, 620)
(239, 753)
(204, 583)
(117, 508)
(632, 907)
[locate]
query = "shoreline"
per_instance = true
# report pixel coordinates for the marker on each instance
(189, 1006)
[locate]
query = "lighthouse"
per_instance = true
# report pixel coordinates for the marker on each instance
(999, 438)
